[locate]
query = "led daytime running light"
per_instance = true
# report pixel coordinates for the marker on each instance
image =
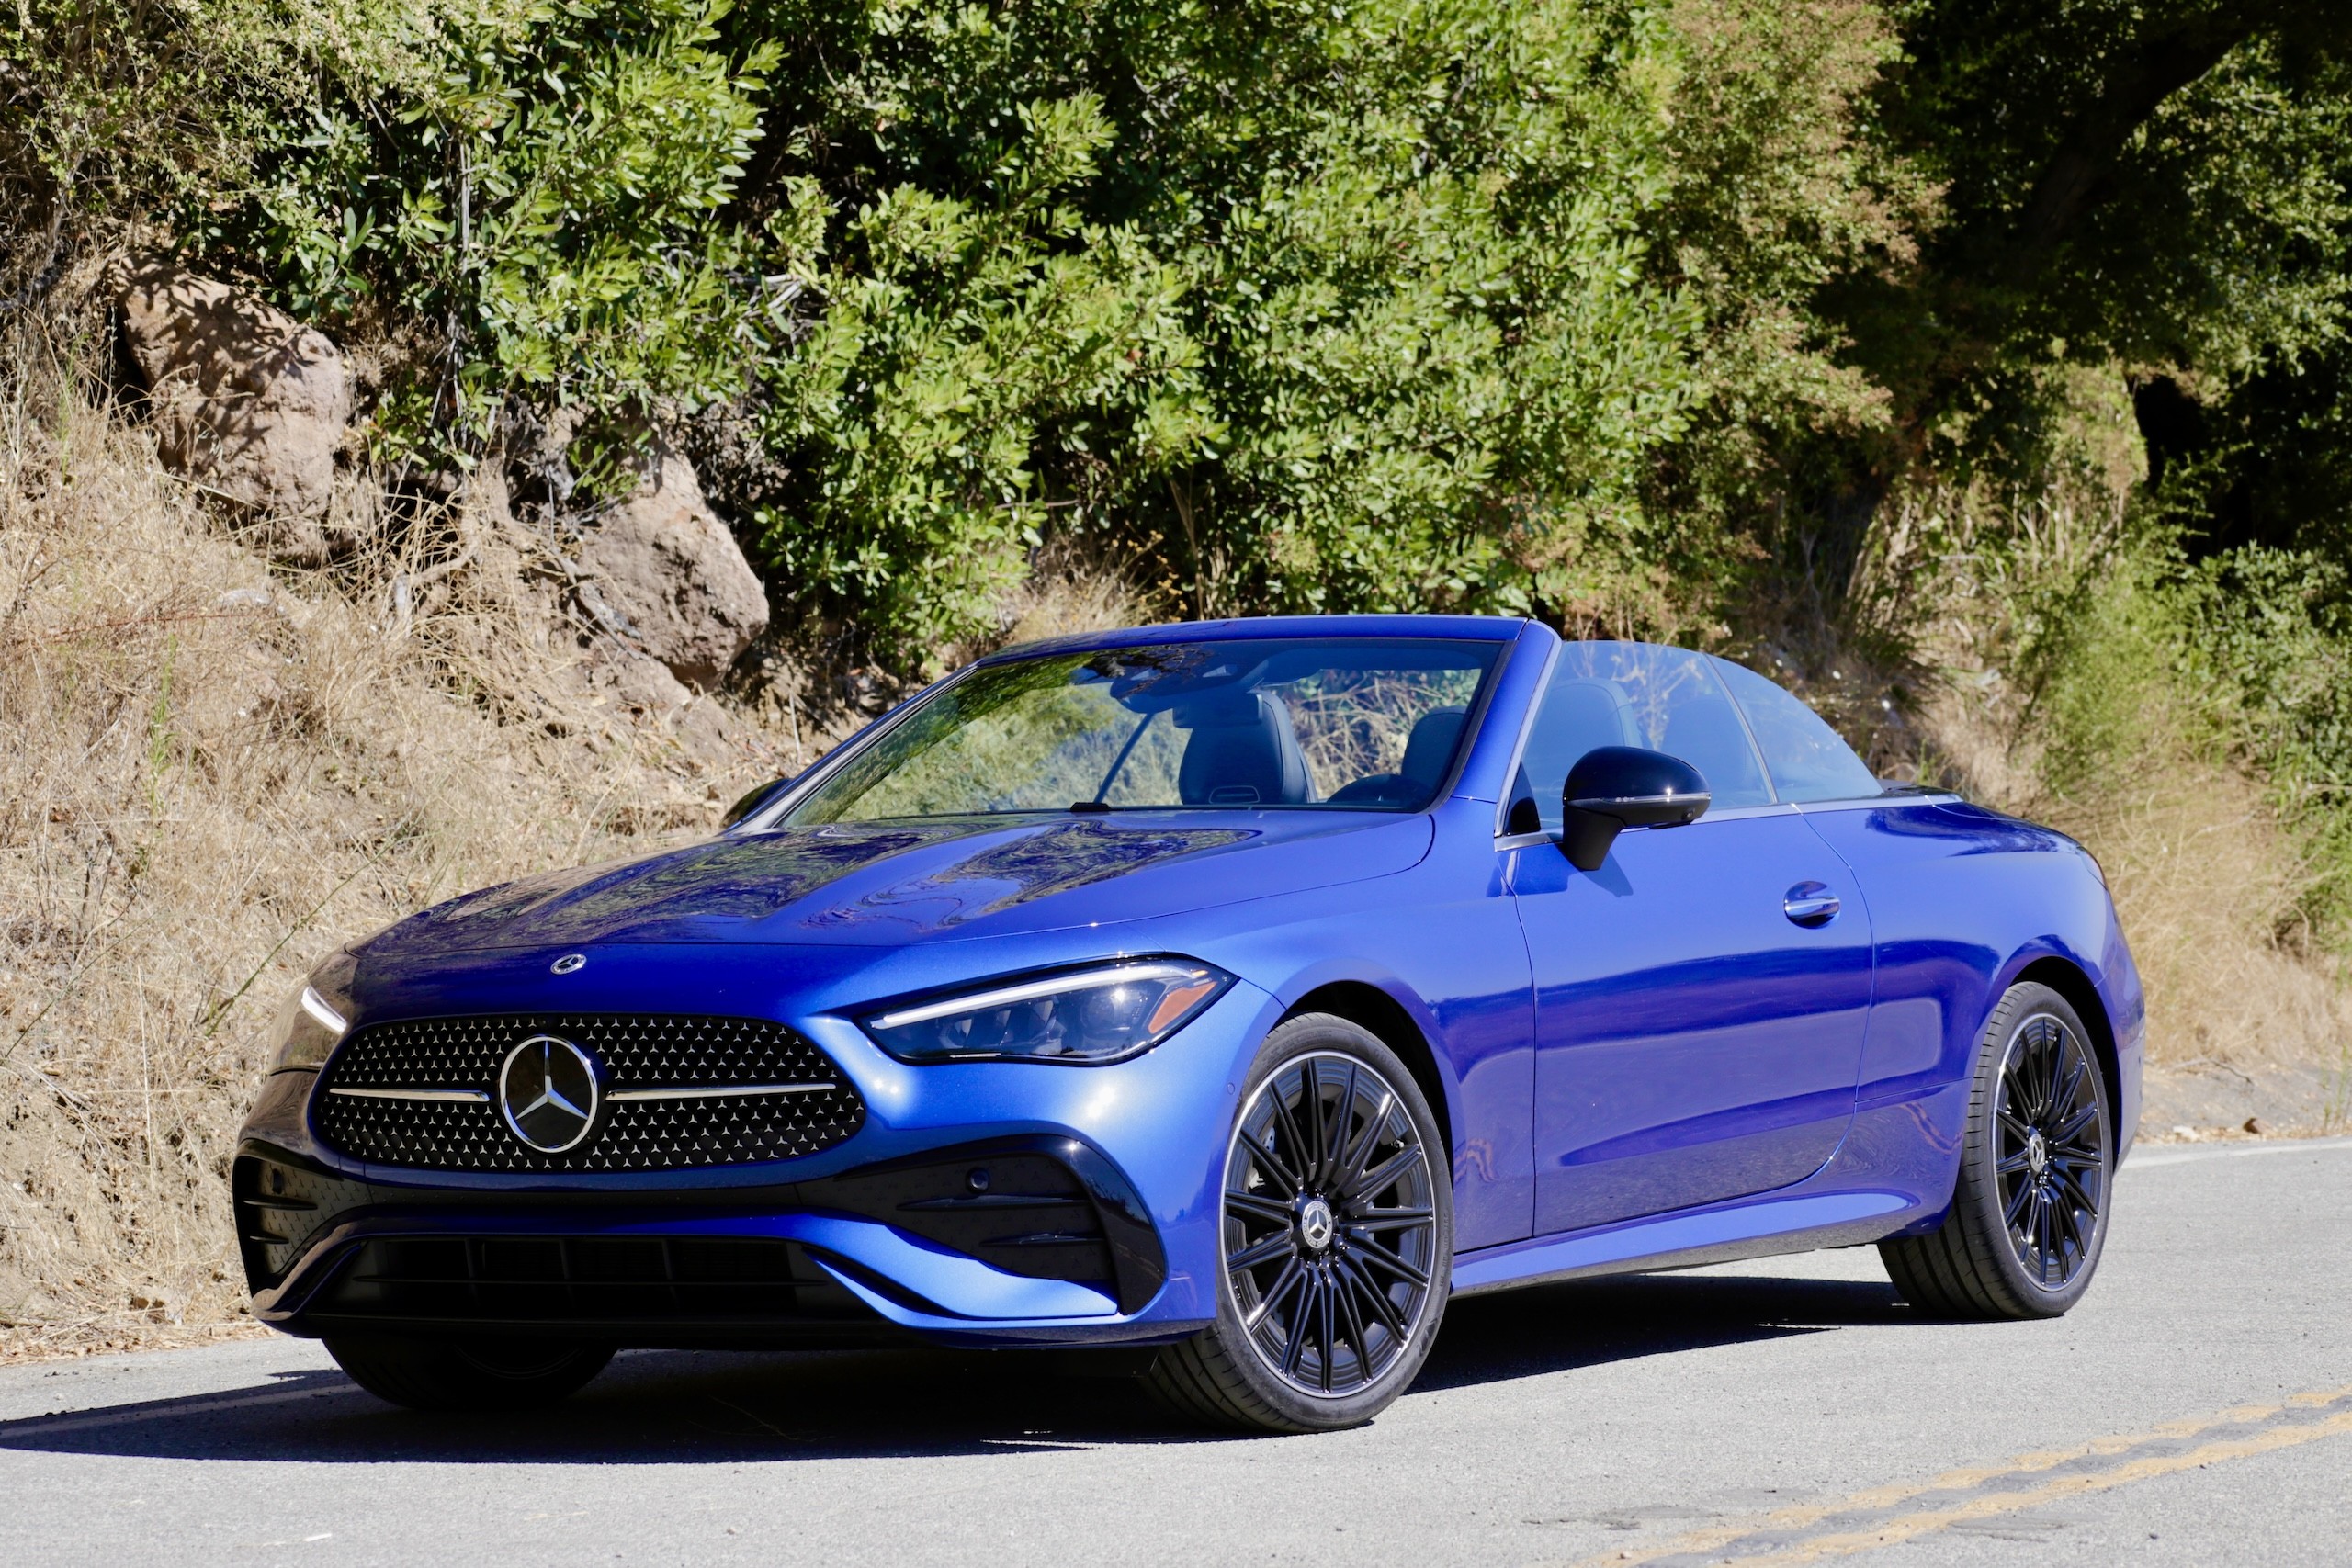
(328, 1019)
(1008, 996)
(1085, 1016)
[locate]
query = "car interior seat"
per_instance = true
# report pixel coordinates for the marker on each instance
(1243, 751)
(1427, 750)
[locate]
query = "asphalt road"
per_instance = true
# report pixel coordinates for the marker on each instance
(2196, 1409)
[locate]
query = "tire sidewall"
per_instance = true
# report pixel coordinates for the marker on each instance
(1321, 1034)
(2020, 1005)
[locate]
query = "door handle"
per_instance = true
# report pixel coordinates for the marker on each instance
(1810, 904)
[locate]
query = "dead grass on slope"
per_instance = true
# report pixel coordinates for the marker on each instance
(2248, 1017)
(210, 776)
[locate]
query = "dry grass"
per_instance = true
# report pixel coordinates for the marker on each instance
(2204, 881)
(210, 776)
(2247, 1014)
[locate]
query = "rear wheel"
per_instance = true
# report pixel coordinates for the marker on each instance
(468, 1374)
(2028, 1215)
(1338, 1233)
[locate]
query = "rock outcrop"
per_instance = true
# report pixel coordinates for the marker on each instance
(247, 402)
(671, 577)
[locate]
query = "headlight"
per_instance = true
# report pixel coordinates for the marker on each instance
(315, 1016)
(1092, 1016)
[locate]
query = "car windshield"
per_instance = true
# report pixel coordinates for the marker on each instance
(1366, 724)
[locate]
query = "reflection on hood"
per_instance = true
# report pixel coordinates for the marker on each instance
(884, 883)
(1036, 864)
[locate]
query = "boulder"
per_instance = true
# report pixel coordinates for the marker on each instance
(669, 572)
(247, 402)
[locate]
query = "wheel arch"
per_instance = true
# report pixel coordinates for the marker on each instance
(1368, 1007)
(2068, 979)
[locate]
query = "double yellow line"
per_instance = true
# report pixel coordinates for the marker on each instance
(1887, 1516)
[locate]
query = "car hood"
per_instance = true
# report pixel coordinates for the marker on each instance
(873, 883)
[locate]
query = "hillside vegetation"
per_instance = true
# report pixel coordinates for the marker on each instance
(1978, 369)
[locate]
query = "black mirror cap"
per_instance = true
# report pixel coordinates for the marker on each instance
(1612, 788)
(752, 802)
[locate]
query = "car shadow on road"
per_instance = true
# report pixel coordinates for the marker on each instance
(675, 1407)
(1554, 1328)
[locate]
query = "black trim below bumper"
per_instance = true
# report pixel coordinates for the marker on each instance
(327, 1253)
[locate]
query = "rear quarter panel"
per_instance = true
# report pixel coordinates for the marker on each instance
(1963, 901)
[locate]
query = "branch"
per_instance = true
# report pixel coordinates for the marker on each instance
(2161, 63)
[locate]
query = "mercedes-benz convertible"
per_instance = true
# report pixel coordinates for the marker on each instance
(1231, 994)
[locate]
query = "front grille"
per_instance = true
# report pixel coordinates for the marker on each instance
(639, 1053)
(558, 1278)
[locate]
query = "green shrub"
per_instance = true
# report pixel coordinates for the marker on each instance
(539, 204)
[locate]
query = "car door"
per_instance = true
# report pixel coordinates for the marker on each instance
(1700, 1000)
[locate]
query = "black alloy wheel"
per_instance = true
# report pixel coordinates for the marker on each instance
(1327, 1223)
(1338, 1240)
(2051, 1142)
(2031, 1207)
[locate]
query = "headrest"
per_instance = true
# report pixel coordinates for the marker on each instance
(1430, 745)
(1242, 753)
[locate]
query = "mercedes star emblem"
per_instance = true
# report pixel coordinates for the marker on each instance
(548, 1093)
(570, 964)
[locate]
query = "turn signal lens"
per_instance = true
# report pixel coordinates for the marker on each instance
(1087, 1018)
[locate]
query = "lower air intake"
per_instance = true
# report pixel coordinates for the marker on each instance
(581, 1281)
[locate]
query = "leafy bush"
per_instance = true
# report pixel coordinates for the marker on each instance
(1389, 306)
(1406, 304)
(540, 202)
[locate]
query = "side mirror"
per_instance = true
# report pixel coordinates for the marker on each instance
(752, 802)
(1612, 788)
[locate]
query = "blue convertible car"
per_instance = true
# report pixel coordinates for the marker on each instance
(1235, 993)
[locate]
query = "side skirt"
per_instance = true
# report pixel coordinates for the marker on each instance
(1757, 1229)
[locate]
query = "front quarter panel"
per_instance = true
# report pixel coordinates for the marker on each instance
(1441, 942)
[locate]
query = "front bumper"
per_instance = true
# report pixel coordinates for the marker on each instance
(983, 1203)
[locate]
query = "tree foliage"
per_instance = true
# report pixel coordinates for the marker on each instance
(1580, 307)
(1401, 304)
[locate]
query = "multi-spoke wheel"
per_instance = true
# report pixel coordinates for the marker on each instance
(2049, 1137)
(2028, 1214)
(1337, 1234)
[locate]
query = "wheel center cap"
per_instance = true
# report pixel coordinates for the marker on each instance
(2037, 1153)
(1315, 1225)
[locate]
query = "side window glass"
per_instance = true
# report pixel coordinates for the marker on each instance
(1630, 693)
(1579, 713)
(1805, 757)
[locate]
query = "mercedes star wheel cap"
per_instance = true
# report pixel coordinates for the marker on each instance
(548, 1093)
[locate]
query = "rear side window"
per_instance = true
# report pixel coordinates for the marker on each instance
(1805, 757)
(1632, 694)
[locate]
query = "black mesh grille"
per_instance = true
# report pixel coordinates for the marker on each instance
(638, 1051)
(281, 1206)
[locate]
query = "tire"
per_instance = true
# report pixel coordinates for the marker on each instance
(1343, 1268)
(468, 1374)
(2029, 1211)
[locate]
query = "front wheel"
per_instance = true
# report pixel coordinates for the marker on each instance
(468, 1374)
(2037, 1167)
(1338, 1234)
